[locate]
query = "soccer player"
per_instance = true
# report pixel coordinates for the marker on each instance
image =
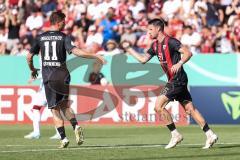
(53, 46)
(169, 50)
(39, 101)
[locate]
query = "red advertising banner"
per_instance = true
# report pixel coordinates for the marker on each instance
(93, 104)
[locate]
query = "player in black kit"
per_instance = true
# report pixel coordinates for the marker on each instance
(53, 46)
(169, 50)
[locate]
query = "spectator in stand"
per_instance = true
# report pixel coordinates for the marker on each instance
(35, 20)
(3, 8)
(3, 13)
(236, 35)
(105, 5)
(13, 24)
(12, 3)
(171, 8)
(109, 27)
(93, 10)
(84, 22)
(127, 20)
(222, 41)
(194, 20)
(61, 4)
(121, 9)
(77, 35)
(79, 8)
(186, 8)
(69, 20)
(136, 6)
(129, 35)
(207, 41)
(232, 11)
(200, 8)
(48, 7)
(144, 43)
(192, 39)
(175, 26)
(3, 40)
(154, 8)
(112, 19)
(215, 14)
(26, 7)
(94, 40)
(111, 49)
(141, 23)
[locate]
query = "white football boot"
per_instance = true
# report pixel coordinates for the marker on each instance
(64, 143)
(32, 135)
(176, 138)
(211, 140)
(79, 135)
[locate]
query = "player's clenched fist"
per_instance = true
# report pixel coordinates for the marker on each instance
(34, 73)
(125, 45)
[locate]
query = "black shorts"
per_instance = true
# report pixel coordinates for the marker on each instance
(176, 92)
(57, 89)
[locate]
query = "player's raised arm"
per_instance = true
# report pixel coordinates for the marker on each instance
(80, 53)
(141, 58)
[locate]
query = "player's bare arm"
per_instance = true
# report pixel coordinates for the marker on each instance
(80, 53)
(186, 56)
(34, 71)
(141, 58)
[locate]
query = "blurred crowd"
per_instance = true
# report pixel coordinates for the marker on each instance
(205, 26)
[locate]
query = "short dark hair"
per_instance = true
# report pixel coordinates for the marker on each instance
(56, 17)
(188, 26)
(158, 23)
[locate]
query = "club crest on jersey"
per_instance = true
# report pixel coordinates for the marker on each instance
(164, 46)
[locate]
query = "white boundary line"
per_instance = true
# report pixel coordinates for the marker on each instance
(211, 74)
(100, 147)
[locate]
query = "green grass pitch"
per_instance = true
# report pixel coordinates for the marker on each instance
(119, 143)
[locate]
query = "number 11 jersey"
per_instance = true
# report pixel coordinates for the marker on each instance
(53, 47)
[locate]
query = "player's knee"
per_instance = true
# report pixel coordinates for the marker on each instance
(189, 109)
(159, 109)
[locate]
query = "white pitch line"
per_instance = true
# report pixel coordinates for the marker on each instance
(100, 147)
(22, 145)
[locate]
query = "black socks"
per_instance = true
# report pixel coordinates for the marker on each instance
(61, 131)
(171, 127)
(73, 122)
(205, 128)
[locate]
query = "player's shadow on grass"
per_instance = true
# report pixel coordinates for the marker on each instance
(118, 146)
(215, 146)
(183, 156)
(229, 146)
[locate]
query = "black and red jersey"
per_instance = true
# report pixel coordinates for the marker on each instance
(168, 55)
